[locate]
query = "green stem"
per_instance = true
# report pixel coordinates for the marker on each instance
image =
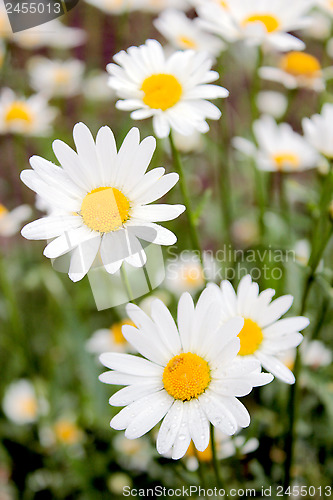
(127, 284)
(260, 197)
(293, 403)
(255, 87)
(186, 198)
(215, 461)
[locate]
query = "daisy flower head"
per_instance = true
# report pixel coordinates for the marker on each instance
(56, 78)
(296, 69)
(109, 339)
(11, 221)
(272, 103)
(280, 149)
(264, 335)
(318, 130)
(172, 90)
(257, 22)
(185, 33)
(21, 404)
(26, 116)
(53, 34)
(102, 199)
(188, 376)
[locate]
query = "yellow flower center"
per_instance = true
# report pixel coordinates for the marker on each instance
(270, 22)
(18, 111)
(250, 337)
(186, 376)
(105, 209)
(29, 406)
(193, 275)
(66, 432)
(161, 91)
(300, 64)
(3, 210)
(116, 332)
(61, 76)
(286, 159)
(203, 456)
(186, 42)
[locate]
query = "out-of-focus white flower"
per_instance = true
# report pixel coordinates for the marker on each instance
(133, 454)
(193, 143)
(96, 88)
(103, 200)
(226, 446)
(245, 231)
(174, 91)
(20, 403)
(272, 103)
(117, 482)
(186, 273)
(318, 130)
(67, 432)
(314, 354)
(264, 335)
(280, 149)
(11, 221)
(27, 116)
(326, 5)
(56, 78)
(320, 27)
(184, 33)
(109, 339)
(302, 251)
(52, 34)
(296, 69)
(257, 22)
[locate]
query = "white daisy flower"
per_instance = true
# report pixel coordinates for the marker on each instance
(257, 22)
(103, 197)
(11, 221)
(27, 116)
(20, 403)
(96, 88)
(185, 33)
(280, 149)
(56, 78)
(189, 376)
(320, 27)
(318, 130)
(296, 69)
(171, 90)
(272, 103)
(264, 335)
(109, 339)
(53, 34)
